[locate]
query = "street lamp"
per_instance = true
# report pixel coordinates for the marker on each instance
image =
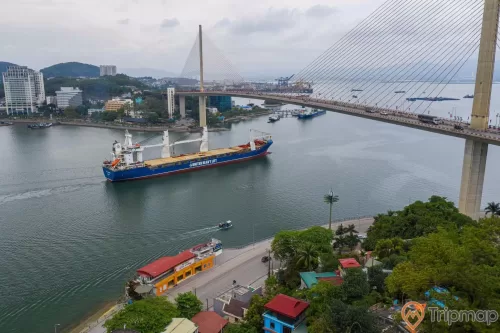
(55, 327)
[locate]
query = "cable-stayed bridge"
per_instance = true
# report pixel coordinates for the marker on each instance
(404, 48)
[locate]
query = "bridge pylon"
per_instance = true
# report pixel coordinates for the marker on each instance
(476, 152)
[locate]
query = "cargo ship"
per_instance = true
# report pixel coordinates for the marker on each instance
(127, 161)
(167, 272)
(311, 114)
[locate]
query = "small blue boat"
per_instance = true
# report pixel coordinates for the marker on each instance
(311, 114)
(225, 225)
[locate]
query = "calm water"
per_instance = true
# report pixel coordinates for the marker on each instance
(69, 240)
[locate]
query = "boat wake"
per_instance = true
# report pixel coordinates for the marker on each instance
(39, 193)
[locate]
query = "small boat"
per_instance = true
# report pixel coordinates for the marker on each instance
(469, 96)
(356, 90)
(311, 114)
(400, 92)
(40, 125)
(6, 123)
(354, 96)
(274, 118)
(225, 225)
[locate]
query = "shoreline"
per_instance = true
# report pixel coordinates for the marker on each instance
(91, 324)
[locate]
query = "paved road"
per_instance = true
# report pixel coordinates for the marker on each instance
(243, 265)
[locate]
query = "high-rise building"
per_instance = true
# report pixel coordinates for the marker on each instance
(222, 103)
(24, 89)
(69, 96)
(107, 70)
(171, 101)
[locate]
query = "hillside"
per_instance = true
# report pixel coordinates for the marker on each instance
(71, 69)
(4, 65)
(100, 88)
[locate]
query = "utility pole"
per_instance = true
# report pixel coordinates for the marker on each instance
(202, 99)
(269, 264)
(207, 304)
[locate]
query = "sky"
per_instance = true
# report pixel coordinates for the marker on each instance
(258, 37)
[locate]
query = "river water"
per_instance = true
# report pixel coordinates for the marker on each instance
(69, 240)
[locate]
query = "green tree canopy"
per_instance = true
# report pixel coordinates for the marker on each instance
(149, 315)
(241, 328)
(418, 219)
(188, 304)
(355, 285)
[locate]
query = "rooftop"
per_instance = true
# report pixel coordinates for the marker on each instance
(160, 266)
(287, 306)
(311, 278)
(349, 263)
(209, 322)
(235, 308)
(180, 325)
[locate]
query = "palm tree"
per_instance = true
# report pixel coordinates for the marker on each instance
(330, 198)
(493, 208)
(351, 229)
(308, 256)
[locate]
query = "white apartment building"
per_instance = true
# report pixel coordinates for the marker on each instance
(107, 70)
(69, 96)
(51, 100)
(24, 89)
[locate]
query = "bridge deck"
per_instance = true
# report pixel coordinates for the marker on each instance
(394, 117)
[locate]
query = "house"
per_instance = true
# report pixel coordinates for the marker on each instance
(209, 322)
(346, 264)
(233, 304)
(285, 314)
(309, 279)
(181, 325)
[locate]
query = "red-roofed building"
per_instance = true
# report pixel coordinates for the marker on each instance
(209, 322)
(163, 265)
(334, 280)
(348, 263)
(284, 314)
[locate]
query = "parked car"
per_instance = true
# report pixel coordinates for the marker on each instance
(459, 127)
(265, 259)
(384, 113)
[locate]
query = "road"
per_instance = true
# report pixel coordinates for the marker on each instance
(408, 119)
(243, 265)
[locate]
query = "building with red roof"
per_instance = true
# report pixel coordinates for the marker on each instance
(346, 264)
(284, 314)
(209, 322)
(165, 264)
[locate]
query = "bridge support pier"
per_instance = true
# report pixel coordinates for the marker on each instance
(473, 171)
(203, 111)
(182, 106)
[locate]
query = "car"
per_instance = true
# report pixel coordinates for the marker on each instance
(458, 127)
(361, 236)
(383, 113)
(265, 259)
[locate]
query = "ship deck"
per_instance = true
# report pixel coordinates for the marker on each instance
(193, 156)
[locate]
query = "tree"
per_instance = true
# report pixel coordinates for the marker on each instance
(387, 247)
(355, 285)
(188, 305)
(376, 278)
(307, 257)
(493, 208)
(149, 315)
(70, 112)
(151, 117)
(240, 328)
(109, 116)
(415, 220)
(330, 199)
(253, 316)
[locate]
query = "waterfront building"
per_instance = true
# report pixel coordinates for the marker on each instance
(171, 102)
(167, 272)
(347, 263)
(107, 70)
(91, 111)
(181, 325)
(222, 103)
(69, 96)
(309, 279)
(285, 314)
(209, 322)
(117, 103)
(233, 304)
(24, 90)
(51, 100)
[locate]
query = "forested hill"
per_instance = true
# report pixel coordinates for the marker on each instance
(4, 65)
(100, 88)
(71, 69)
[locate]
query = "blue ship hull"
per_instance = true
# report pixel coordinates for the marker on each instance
(311, 115)
(187, 166)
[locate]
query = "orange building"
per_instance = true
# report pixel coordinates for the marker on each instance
(167, 272)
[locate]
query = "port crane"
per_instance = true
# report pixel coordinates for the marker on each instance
(283, 81)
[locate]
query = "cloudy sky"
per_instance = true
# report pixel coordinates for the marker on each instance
(259, 36)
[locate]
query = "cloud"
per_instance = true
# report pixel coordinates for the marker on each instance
(124, 21)
(273, 20)
(320, 11)
(170, 23)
